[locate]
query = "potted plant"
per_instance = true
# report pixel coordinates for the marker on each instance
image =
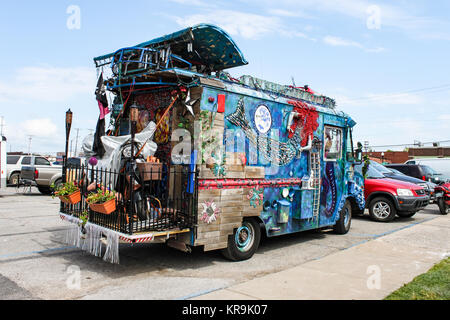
(102, 201)
(67, 192)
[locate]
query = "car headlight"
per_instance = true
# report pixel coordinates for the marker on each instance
(405, 192)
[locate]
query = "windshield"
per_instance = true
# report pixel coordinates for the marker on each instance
(396, 171)
(372, 173)
(382, 169)
(429, 171)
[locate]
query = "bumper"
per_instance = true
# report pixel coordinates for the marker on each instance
(411, 203)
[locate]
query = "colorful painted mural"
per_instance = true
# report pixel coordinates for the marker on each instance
(280, 136)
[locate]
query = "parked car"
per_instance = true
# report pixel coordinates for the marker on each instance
(418, 171)
(14, 164)
(386, 197)
(397, 175)
(441, 165)
(42, 173)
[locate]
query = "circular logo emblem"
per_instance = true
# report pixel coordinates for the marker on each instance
(263, 119)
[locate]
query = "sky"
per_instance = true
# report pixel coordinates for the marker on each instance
(386, 63)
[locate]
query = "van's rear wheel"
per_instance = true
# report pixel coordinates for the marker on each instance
(244, 241)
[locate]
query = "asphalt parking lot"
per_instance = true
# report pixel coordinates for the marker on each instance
(35, 263)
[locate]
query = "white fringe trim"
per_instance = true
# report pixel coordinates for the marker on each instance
(91, 240)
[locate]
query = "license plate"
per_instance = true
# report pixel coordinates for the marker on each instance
(439, 194)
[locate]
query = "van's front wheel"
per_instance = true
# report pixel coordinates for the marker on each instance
(342, 226)
(244, 241)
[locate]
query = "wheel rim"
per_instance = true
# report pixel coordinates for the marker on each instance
(346, 217)
(245, 237)
(381, 210)
(15, 179)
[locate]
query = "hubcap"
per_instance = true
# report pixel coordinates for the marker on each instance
(381, 210)
(346, 217)
(244, 237)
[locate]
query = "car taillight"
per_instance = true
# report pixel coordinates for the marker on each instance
(423, 178)
(36, 174)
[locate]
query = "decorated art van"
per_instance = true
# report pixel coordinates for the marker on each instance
(191, 156)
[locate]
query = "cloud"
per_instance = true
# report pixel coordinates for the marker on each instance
(407, 18)
(47, 84)
(340, 42)
(43, 128)
(246, 25)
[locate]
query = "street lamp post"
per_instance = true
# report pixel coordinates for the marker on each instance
(68, 126)
(134, 115)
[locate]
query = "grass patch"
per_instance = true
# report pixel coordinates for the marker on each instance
(432, 285)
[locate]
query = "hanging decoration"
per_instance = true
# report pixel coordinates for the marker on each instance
(162, 132)
(305, 117)
(210, 212)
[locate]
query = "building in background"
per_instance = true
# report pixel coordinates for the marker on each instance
(429, 152)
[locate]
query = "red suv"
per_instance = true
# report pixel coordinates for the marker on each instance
(387, 197)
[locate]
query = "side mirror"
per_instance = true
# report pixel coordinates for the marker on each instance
(358, 153)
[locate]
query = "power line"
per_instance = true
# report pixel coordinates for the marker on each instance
(409, 144)
(397, 94)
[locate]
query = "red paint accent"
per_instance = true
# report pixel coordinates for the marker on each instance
(307, 119)
(221, 103)
(204, 184)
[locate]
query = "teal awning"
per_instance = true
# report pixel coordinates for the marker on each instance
(211, 46)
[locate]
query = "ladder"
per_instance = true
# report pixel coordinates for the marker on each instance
(315, 184)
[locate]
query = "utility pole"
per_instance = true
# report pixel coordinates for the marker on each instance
(76, 142)
(366, 146)
(30, 137)
(1, 127)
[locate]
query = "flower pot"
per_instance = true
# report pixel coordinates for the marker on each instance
(71, 198)
(105, 208)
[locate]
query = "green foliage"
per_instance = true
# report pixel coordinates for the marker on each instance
(365, 167)
(432, 285)
(84, 217)
(101, 196)
(64, 189)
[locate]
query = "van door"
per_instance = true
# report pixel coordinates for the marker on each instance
(332, 174)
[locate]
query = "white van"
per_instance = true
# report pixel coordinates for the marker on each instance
(440, 165)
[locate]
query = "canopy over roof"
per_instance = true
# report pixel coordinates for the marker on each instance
(211, 46)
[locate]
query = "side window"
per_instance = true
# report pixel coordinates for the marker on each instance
(12, 159)
(26, 160)
(42, 162)
(349, 144)
(332, 147)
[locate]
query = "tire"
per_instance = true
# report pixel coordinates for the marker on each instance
(443, 207)
(344, 222)
(14, 179)
(406, 214)
(244, 241)
(382, 209)
(45, 190)
(56, 184)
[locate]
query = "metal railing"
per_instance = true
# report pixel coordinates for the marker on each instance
(163, 198)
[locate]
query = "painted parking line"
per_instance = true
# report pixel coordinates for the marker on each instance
(372, 236)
